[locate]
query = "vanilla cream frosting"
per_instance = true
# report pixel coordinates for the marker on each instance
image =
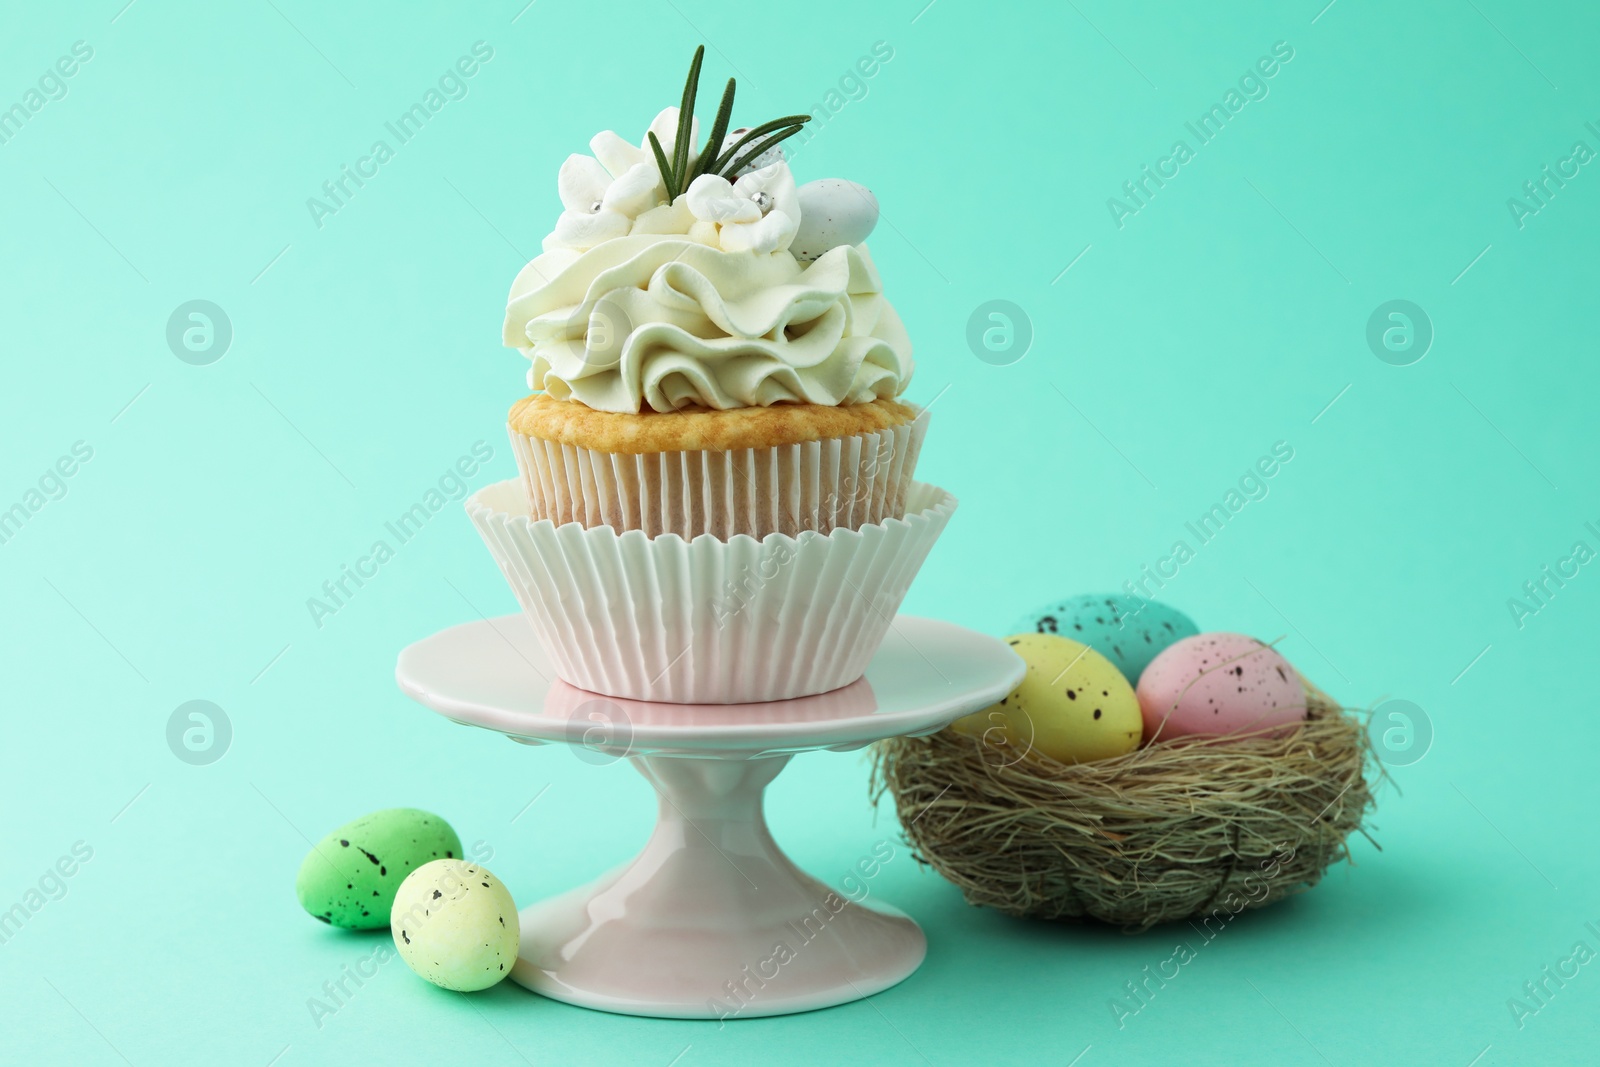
(640, 304)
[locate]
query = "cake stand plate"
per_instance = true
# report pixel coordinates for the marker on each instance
(711, 920)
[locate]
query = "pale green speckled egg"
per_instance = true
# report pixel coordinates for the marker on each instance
(455, 925)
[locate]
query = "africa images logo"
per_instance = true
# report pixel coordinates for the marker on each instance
(1538, 192)
(452, 85)
(51, 86)
(338, 591)
(1204, 129)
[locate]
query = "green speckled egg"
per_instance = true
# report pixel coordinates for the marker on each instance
(455, 925)
(1127, 630)
(350, 878)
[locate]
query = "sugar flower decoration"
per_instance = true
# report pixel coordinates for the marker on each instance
(758, 213)
(604, 193)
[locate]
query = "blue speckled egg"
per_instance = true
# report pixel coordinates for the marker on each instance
(1127, 630)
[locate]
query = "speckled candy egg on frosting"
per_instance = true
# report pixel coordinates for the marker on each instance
(1218, 683)
(1129, 631)
(833, 212)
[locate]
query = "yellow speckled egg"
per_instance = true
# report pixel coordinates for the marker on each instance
(1073, 705)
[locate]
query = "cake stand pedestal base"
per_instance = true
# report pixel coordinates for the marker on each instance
(712, 920)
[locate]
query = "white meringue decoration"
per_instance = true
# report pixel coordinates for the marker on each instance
(706, 326)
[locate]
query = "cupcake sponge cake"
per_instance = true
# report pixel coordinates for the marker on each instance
(692, 375)
(695, 429)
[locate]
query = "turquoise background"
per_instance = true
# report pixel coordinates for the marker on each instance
(1227, 314)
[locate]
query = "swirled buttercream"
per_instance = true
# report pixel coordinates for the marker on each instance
(662, 322)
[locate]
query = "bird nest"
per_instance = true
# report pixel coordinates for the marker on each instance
(1187, 828)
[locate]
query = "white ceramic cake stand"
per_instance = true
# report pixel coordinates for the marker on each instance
(711, 920)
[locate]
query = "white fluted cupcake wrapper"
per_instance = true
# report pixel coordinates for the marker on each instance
(844, 482)
(708, 621)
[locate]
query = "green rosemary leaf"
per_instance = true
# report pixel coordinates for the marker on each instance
(719, 130)
(681, 148)
(721, 165)
(783, 134)
(663, 166)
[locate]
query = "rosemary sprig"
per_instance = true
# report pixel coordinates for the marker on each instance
(677, 174)
(680, 148)
(667, 174)
(796, 121)
(782, 135)
(719, 130)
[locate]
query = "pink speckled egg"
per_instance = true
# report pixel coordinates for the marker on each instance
(1218, 683)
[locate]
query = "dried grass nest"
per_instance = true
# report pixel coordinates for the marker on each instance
(1178, 829)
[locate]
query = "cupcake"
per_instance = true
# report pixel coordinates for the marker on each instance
(710, 347)
(715, 501)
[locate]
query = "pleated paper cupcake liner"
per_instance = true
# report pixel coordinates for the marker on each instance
(838, 483)
(708, 620)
